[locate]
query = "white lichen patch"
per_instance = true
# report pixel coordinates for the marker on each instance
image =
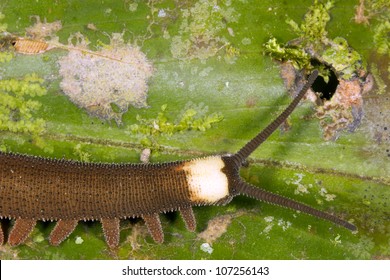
(132, 6)
(284, 224)
(271, 223)
(162, 13)
(78, 240)
(107, 11)
(327, 196)
(205, 72)
(145, 155)
(200, 29)
(205, 247)
(269, 219)
(300, 187)
(108, 81)
(246, 41)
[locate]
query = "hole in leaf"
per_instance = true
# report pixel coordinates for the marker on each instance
(327, 89)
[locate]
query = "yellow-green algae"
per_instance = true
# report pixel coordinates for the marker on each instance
(293, 54)
(5, 56)
(313, 28)
(345, 61)
(313, 44)
(382, 38)
(192, 118)
(200, 30)
(81, 154)
(17, 105)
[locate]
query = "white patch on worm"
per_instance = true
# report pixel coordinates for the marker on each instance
(206, 182)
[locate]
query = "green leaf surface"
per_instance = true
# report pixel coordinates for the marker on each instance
(209, 58)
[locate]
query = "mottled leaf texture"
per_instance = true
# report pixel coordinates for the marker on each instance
(111, 231)
(189, 218)
(154, 226)
(20, 231)
(61, 231)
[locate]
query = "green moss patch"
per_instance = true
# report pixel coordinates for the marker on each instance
(18, 107)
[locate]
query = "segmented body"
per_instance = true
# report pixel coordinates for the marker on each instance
(47, 189)
(29, 46)
(33, 188)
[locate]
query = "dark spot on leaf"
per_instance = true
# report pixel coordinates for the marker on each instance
(327, 89)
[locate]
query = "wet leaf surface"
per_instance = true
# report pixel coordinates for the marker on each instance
(349, 177)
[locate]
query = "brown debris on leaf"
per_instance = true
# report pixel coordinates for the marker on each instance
(40, 37)
(343, 111)
(360, 15)
(217, 226)
(43, 30)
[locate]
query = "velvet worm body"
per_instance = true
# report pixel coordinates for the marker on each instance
(34, 188)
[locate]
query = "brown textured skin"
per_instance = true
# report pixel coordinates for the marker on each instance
(189, 218)
(153, 224)
(61, 231)
(44, 189)
(20, 231)
(111, 231)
